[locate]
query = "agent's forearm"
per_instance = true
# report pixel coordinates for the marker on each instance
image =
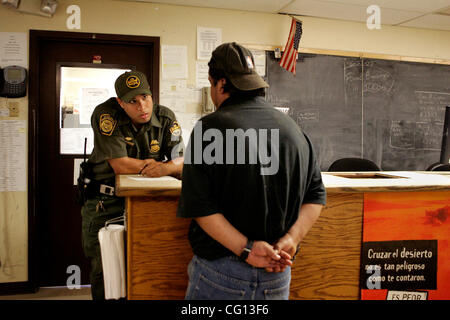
(126, 165)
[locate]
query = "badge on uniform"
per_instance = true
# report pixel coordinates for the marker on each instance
(175, 129)
(107, 124)
(129, 141)
(154, 146)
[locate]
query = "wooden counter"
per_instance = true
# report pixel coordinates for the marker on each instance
(327, 266)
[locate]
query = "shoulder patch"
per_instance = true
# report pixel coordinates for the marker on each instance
(107, 124)
(175, 128)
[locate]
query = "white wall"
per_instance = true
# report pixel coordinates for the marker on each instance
(177, 25)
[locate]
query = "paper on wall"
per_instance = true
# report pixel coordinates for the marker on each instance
(187, 122)
(260, 61)
(174, 62)
(202, 74)
(207, 40)
(13, 163)
(72, 140)
(76, 170)
(173, 95)
(4, 112)
(90, 98)
(13, 49)
(194, 95)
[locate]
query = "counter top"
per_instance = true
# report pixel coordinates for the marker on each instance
(386, 181)
(137, 185)
(335, 182)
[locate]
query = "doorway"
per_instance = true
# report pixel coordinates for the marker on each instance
(54, 215)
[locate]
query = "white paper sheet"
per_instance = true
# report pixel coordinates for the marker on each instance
(260, 61)
(72, 140)
(13, 49)
(174, 62)
(187, 122)
(201, 71)
(90, 98)
(207, 40)
(76, 170)
(4, 112)
(13, 160)
(142, 178)
(173, 95)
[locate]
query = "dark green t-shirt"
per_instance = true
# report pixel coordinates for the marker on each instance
(217, 180)
(115, 136)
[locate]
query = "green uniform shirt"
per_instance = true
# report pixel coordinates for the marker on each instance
(115, 136)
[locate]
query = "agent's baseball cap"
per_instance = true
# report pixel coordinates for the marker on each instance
(238, 65)
(130, 84)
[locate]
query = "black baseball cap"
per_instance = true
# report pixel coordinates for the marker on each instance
(130, 84)
(238, 64)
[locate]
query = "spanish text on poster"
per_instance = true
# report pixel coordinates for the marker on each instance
(399, 265)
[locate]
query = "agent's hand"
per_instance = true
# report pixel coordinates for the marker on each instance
(154, 169)
(264, 255)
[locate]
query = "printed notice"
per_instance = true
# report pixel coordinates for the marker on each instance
(207, 40)
(90, 98)
(202, 74)
(13, 49)
(72, 140)
(174, 62)
(13, 162)
(399, 265)
(260, 61)
(173, 95)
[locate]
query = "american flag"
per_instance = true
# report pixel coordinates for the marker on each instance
(289, 58)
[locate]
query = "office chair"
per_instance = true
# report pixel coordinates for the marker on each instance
(353, 164)
(439, 167)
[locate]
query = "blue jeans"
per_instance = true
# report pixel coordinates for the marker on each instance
(229, 278)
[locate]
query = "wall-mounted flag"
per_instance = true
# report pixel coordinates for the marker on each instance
(289, 58)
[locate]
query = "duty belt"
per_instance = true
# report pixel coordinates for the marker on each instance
(105, 189)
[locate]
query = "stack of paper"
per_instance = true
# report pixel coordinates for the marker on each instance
(111, 240)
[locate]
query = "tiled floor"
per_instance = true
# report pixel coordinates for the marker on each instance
(53, 293)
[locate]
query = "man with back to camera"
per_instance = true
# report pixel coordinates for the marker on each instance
(248, 217)
(131, 135)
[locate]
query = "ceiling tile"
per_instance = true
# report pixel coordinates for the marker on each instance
(334, 10)
(408, 5)
(272, 6)
(430, 21)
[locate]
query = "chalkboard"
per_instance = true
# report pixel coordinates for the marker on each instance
(391, 112)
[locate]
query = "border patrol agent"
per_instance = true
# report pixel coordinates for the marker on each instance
(131, 135)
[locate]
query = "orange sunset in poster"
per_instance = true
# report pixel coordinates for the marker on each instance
(400, 226)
